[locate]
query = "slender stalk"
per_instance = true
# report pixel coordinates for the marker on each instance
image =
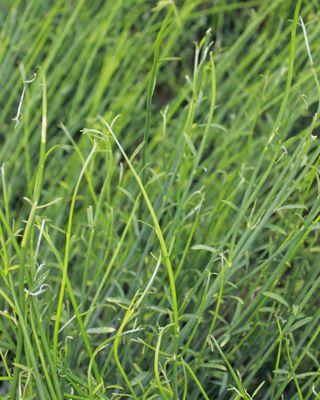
(166, 258)
(67, 254)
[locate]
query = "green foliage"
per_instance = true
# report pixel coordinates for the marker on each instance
(159, 209)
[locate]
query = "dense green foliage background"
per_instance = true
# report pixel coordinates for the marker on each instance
(163, 241)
